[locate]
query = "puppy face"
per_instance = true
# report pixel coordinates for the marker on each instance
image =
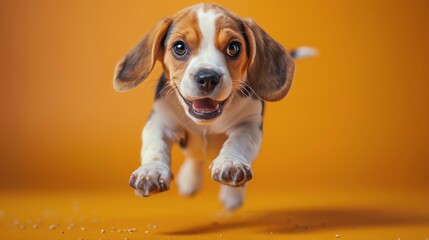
(209, 54)
(205, 58)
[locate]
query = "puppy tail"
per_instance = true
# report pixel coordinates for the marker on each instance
(303, 52)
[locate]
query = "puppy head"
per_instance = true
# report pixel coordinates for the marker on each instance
(209, 56)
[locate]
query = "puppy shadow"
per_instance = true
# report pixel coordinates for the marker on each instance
(293, 221)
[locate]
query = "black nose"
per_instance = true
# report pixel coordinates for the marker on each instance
(207, 80)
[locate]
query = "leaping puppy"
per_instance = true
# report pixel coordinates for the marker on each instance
(218, 71)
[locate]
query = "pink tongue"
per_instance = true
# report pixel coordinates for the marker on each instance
(206, 104)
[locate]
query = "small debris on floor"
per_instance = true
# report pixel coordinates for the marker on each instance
(53, 226)
(337, 235)
(103, 231)
(152, 225)
(71, 226)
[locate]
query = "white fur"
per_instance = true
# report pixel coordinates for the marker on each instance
(189, 178)
(157, 137)
(305, 52)
(232, 198)
(208, 57)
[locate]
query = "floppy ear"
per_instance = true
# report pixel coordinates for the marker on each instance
(138, 63)
(271, 67)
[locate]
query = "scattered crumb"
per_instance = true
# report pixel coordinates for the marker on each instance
(22, 227)
(337, 235)
(152, 225)
(399, 238)
(103, 231)
(71, 226)
(80, 239)
(62, 231)
(35, 226)
(221, 235)
(53, 226)
(146, 232)
(16, 222)
(125, 238)
(113, 229)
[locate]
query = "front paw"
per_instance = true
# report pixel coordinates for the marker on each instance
(151, 178)
(231, 173)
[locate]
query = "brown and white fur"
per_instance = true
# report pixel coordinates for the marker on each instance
(218, 71)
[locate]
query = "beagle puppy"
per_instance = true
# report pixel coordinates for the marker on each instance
(218, 69)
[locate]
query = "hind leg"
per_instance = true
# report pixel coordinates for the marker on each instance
(231, 197)
(189, 178)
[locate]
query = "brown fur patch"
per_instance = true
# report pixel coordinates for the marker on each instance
(271, 67)
(228, 29)
(138, 63)
(184, 28)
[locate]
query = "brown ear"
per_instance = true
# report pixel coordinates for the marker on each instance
(138, 63)
(271, 67)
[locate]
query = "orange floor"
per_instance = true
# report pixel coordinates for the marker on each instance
(104, 215)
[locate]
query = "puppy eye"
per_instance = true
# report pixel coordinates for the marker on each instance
(179, 49)
(233, 49)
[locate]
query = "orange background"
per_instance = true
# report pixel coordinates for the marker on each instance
(356, 117)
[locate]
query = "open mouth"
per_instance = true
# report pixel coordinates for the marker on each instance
(204, 108)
